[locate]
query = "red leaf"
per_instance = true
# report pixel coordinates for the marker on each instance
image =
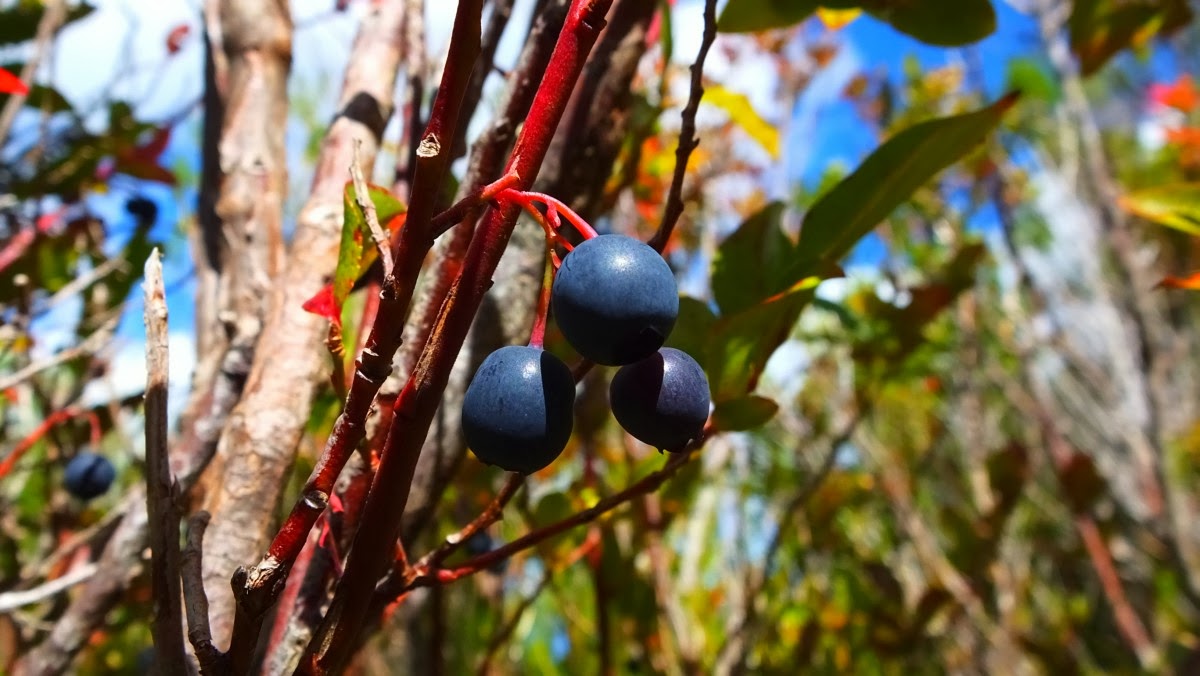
(176, 37)
(322, 305)
(1181, 95)
(11, 84)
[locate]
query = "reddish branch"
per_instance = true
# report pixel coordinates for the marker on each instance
(490, 515)
(260, 441)
(441, 455)
(1130, 626)
(56, 418)
(257, 588)
(393, 588)
(417, 404)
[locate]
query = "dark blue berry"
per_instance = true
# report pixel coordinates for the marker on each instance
(89, 475)
(615, 299)
(482, 543)
(661, 400)
(518, 410)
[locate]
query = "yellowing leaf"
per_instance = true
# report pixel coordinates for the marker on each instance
(1175, 206)
(835, 19)
(743, 114)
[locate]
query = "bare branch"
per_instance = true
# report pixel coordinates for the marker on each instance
(10, 601)
(160, 499)
(199, 633)
(687, 133)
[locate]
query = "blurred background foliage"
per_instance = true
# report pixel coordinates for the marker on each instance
(959, 415)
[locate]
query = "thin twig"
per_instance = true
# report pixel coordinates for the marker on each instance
(363, 196)
(199, 632)
(90, 345)
(10, 601)
(647, 484)
(169, 654)
(490, 515)
(687, 133)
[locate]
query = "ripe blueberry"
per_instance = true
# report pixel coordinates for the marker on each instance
(89, 475)
(615, 299)
(661, 400)
(518, 410)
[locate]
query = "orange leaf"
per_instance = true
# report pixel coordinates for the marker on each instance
(1192, 282)
(11, 84)
(1181, 95)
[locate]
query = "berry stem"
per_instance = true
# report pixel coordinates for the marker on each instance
(537, 336)
(554, 207)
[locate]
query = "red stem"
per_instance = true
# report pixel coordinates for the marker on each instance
(537, 336)
(258, 588)
(374, 544)
(40, 431)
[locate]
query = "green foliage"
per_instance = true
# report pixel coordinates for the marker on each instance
(1175, 206)
(745, 413)
(886, 179)
(353, 255)
(19, 22)
(923, 19)
(1101, 28)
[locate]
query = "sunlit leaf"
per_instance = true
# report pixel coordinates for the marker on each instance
(742, 342)
(1175, 206)
(738, 107)
(836, 19)
(1101, 28)
(888, 178)
(925, 20)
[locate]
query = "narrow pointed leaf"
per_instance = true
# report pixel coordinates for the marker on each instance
(888, 178)
(1175, 206)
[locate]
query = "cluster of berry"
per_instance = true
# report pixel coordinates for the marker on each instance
(616, 301)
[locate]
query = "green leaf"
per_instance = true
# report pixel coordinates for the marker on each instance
(748, 16)
(752, 264)
(692, 328)
(1101, 28)
(742, 343)
(353, 255)
(19, 23)
(743, 413)
(1175, 206)
(887, 179)
(1031, 78)
(925, 20)
(929, 20)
